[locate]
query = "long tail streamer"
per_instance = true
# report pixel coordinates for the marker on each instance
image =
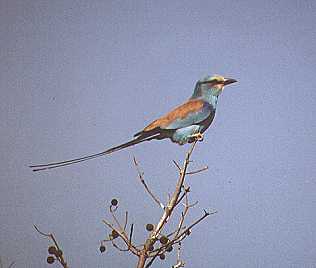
(88, 157)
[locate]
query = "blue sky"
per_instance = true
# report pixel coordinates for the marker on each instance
(78, 77)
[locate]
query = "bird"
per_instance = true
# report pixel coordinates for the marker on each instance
(184, 124)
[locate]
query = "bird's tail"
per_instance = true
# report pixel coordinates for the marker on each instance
(88, 157)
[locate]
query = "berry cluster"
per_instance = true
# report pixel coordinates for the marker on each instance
(55, 254)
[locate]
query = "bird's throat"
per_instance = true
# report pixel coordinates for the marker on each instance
(209, 95)
(211, 99)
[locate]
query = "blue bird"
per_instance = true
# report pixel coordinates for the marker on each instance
(184, 124)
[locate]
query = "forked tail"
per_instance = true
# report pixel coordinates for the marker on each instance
(88, 157)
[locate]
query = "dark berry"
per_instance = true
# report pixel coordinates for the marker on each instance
(149, 227)
(162, 256)
(52, 250)
(114, 202)
(102, 249)
(163, 240)
(151, 248)
(169, 248)
(50, 259)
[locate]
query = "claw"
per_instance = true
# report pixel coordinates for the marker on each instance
(198, 136)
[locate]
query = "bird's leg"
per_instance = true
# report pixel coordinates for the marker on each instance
(197, 136)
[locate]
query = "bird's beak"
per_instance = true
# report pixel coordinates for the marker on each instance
(229, 81)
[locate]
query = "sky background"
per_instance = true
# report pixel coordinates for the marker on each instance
(77, 77)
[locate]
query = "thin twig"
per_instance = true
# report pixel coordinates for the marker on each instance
(179, 263)
(193, 204)
(154, 257)
(122, 230)
(206, 214)
(126, 220)
(131, 234)
(186, 191)
(176, 164)
(11, 264)
(184, 213)
(172, 233)
(142, 180)
(198, 170)
(131, 247)
(117, 247)
(181, 235)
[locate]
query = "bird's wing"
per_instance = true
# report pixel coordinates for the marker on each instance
(189, 113)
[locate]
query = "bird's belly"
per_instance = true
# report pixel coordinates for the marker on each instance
(182, 135)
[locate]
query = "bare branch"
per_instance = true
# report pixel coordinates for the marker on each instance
(11, 264)
(181, 235)
(172, 233)
(146, 252)
(122, 230)
(154, 257)
(130, 246)
(186, 191)
(184, 213)
(117, 247)
(188, 229)
(194, 204)
(174, 199)
(179, 263)
(142, 180)
(126, 220)
(44, 234)
(131, 234)
(198, 171)
(142, 259)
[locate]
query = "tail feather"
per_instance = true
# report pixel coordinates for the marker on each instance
(88, 157)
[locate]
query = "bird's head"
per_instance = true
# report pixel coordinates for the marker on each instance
(216, 82)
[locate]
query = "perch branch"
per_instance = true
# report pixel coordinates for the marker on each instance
(174, 199)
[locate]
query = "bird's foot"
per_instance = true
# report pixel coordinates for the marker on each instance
(197, 137)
